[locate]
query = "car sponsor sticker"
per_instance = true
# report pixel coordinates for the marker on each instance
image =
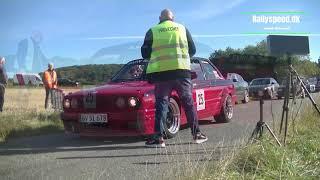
(201, 103)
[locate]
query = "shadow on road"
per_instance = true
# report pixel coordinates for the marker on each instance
(216, 158)
(63, 143)
(141, 155)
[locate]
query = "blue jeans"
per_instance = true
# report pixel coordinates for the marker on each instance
(183, 87)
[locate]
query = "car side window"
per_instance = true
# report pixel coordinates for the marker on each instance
(240, 79)
(209, 72)
(195, 66)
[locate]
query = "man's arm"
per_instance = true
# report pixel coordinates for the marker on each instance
(146, 48)
(192, 47)
(5, 76)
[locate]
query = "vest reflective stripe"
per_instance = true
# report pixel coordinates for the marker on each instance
(168, 64)
(158, 48)
(167, 57)
(169, 48)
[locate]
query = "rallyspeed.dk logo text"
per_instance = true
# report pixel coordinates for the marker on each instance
(276, 19)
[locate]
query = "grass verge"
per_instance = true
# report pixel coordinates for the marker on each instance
(20, 124)
(299, 159)
(24, 114)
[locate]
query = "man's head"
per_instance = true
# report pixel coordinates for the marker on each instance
(166, 14)
(50, 66)
(2, 60)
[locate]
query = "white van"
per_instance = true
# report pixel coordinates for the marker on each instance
(30, 79)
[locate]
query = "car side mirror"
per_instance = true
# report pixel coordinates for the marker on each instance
(235, 80)
(272, 83)
(194, 75)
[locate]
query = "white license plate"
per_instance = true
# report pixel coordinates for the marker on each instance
(93, 118)
(312, 88)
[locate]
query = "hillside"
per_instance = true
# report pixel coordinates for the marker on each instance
(89, 74)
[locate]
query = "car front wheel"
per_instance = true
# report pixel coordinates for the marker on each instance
(226, 113)
(172, 123)
(245, 97)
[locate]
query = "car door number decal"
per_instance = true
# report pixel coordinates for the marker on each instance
(200, 98)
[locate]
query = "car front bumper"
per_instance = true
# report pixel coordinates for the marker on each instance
(142, 124)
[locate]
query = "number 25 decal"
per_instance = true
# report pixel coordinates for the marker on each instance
(200, 98)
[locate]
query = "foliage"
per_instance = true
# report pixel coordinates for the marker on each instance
(257, 57)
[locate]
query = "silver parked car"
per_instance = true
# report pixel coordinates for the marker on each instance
(268, 86)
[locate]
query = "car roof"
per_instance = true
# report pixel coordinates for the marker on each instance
(261, 78)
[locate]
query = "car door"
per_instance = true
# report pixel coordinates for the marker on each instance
(242, 85)
(200, 91)
(237, 83)
(215, 90)
(275, 85)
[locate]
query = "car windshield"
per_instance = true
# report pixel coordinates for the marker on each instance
(133, 71)
(260, 82)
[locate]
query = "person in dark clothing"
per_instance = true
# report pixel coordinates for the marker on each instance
(168, 46)
(3, 81)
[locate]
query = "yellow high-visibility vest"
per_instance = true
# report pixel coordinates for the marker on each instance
(169, 48)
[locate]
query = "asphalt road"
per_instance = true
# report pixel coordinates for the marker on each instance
(69, 157)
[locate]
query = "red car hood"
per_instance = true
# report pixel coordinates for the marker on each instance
(119, 88)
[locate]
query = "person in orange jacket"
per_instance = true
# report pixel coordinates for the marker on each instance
(50, 82)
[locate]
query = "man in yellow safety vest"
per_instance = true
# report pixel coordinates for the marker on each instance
(169, 46)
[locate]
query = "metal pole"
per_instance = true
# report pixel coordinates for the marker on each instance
(261, 116)
(274, 136)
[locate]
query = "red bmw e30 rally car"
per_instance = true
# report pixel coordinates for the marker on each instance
(125, 105)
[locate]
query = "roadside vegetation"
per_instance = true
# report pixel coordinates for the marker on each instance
(299, 159)
(24, 114)
(89, 74)
(255, 61)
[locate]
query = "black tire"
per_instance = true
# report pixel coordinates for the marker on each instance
(226, 113)
(245, 97)
(172, 124)
(269, 94)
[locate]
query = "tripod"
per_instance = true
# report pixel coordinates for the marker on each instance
(258, 131)
(289, 85)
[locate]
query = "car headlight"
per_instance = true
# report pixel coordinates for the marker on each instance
(120, 102)
(66, 103)
(132, 102)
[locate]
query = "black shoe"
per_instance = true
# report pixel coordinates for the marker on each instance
(200, 138)
(156, 143)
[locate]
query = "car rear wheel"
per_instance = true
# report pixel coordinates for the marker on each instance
(172, 124)
(226, 111)
(245, 97)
